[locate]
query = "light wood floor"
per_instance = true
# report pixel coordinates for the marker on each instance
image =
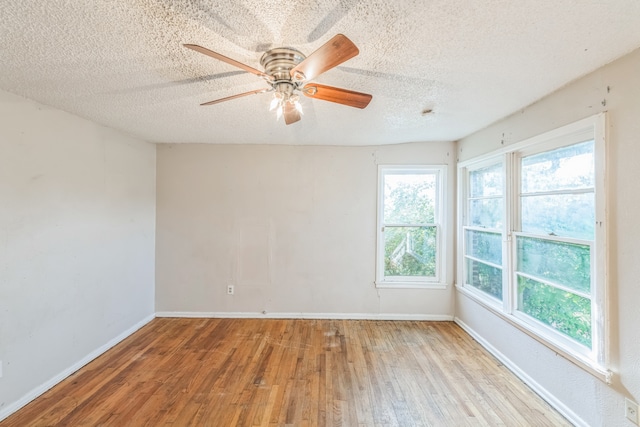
(250, 372)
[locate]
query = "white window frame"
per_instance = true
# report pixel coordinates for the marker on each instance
(596, 359)
(464, 208)
(398, 282)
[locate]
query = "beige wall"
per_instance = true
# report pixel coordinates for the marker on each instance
(293, 228)
(77, 220)
(614, 88)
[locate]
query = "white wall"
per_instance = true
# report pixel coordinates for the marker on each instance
(615, 88)
(293, 228)
(77, 236)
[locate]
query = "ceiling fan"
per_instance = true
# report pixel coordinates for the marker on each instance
(288, 71)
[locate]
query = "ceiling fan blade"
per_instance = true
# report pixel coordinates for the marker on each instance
(240, 95)
(335, 94)
(291, 113)
(329, 55)
(228, 60)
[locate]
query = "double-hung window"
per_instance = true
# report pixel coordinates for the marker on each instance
(554, 244)
(410, 226)
(483, 232)
(532, 237)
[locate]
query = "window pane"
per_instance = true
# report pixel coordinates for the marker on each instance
(484, 277)
(562, 263)
(567, 215)
(485, 213)
(483, 245)
(562, 169)
(486, 181)
(567, 313)
(410, 251)
(409, 198)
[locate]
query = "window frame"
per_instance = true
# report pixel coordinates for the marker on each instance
(399, 282)
(465, 197)
(596, 359)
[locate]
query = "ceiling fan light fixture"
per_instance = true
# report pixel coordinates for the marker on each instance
(279, 105)
(275, 103)
(284, 93)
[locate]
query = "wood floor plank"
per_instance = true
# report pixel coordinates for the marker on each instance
(258, 372)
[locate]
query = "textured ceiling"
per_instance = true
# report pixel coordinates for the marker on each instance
(122, 64)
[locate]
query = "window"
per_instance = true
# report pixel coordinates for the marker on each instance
(532, 237)
(483, 235)
(554, 243)
(410, 202)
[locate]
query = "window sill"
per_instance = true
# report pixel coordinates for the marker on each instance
(587, 365)
(409, 285)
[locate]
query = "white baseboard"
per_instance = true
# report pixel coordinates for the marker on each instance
(336, 316)
(31, 395)
(541, 391)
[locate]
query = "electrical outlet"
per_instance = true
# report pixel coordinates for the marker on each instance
(631, 410)
(229, 289)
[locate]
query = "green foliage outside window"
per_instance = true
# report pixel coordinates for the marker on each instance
(567, 264)
(485, 247)
(410, 251)
(409, 198)
(564, 311)
(484, 277)
(409, 202)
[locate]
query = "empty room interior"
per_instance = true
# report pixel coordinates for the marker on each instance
(329, 212)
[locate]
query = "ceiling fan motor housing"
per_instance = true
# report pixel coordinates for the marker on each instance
(278, 63)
